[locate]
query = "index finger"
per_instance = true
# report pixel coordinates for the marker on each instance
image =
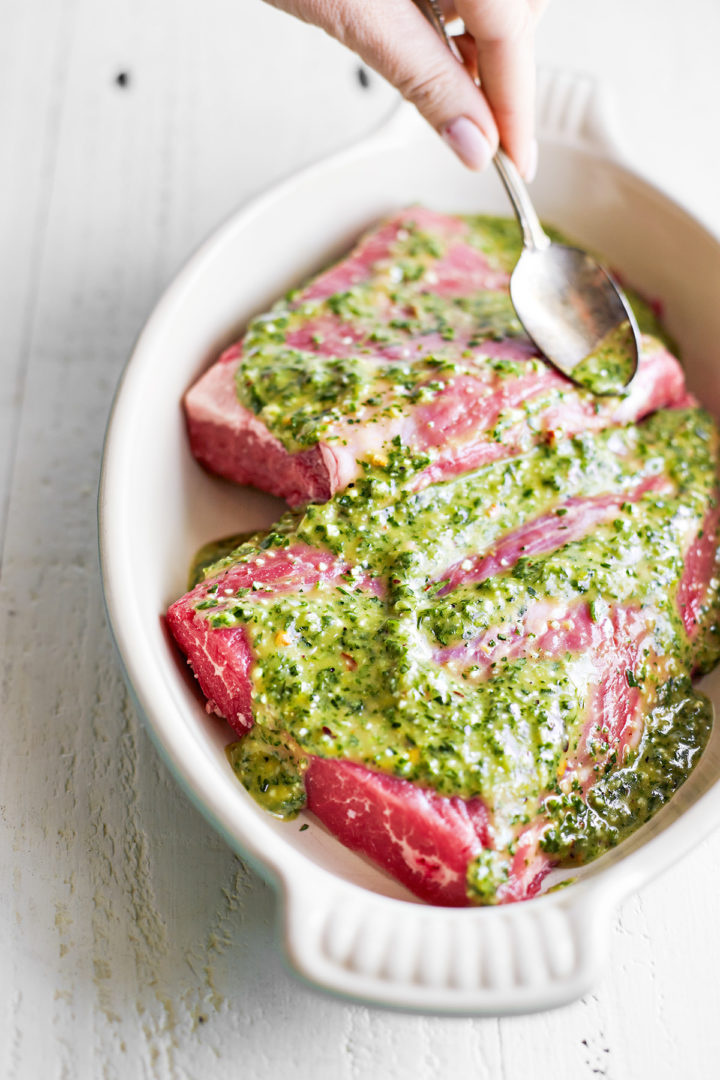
(504, 33)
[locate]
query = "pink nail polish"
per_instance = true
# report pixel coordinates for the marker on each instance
(468, 142)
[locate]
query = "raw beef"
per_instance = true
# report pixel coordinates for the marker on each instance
(456, 426)
(424, 839)
(479, 399)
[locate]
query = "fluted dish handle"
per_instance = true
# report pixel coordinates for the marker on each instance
(575, 109)
(473, 961)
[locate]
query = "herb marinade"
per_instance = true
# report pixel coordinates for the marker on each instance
(300, 393)
(398, 668)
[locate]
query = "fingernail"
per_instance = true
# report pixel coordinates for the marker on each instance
(532, 162)
(468, 142)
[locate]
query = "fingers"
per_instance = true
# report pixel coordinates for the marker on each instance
(504, 37)
(397, 41)
(465, 45)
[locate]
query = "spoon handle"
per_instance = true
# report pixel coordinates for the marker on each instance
(534, 236)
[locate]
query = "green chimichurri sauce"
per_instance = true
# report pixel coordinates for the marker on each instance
(271, 768)
(212, 553)
(346, 673)
(611, 365)
(676, 731)
(303, 395)
(350, 669)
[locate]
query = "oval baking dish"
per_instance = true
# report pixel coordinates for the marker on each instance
(348, 927)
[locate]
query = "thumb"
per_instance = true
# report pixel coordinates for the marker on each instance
(394, 38)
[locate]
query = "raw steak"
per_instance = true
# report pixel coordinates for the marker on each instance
(490, 397)
(425, 839)
(473, 660)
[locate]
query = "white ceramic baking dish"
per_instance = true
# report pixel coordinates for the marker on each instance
(347, 926)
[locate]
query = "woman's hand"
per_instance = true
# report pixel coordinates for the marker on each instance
(393, 37)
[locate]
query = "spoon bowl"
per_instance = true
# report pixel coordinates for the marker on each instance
(577, 316)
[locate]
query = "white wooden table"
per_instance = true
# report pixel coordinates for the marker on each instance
(133, 943)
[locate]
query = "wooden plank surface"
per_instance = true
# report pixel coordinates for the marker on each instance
(134, 943)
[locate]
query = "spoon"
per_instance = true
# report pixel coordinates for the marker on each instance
(570, 306)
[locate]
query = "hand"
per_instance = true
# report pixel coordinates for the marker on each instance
(393, 37)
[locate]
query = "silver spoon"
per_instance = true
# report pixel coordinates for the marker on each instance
(569, 305)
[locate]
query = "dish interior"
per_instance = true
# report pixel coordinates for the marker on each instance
(158, 506)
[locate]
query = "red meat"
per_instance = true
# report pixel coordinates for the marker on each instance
(424, 839)
(456, 425)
